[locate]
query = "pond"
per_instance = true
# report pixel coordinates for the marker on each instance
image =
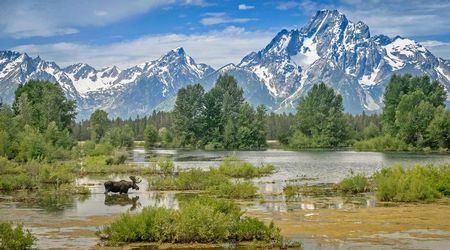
(71, 222)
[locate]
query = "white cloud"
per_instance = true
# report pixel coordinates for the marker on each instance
(214, 18)
(438, 48)
(229, 45)
(401, 17)
(25, 18)
(245, 7)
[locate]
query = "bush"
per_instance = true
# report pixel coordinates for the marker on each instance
(382, 143)
(354, 184)
(199, 220)
(301, 141)
(119, 157)
(214, 146)
(15, 238)
(10, 183)
(291, 191)
(166, 165)
(235, 168)
(418, 183)
(239, 190)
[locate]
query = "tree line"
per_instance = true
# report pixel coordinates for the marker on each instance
(40, 123)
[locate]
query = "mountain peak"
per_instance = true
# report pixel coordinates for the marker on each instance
(179, 50)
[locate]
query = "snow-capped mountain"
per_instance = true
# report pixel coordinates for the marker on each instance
(334, 50)
(124, 93)
(329, 48)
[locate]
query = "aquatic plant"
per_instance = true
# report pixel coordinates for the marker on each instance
(233, 167)
(238, 190)
(354, 184)
(166, 165)
(15, 238)
(418, 183)
(201, 220)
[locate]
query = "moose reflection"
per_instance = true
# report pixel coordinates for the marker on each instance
(122, 186)
(122, 200)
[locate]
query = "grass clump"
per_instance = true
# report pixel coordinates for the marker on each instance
(235, 168)
(291, 191)
(166, 165)
(15, 238)
(199, 220)
(354, 184)
(238, 190)
(419, 183)
(211, 181)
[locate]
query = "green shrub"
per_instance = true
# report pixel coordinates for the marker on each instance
(235, 168)
(15, 238)
(418, 183)
(249, 229)
(239, 190)
(301, 141)
(214, 146)
(8, 167)
(166, 165)
(199, 220)
(354, 184)
(382, 143)
(291, 191)
(16, 182)
(119, 157)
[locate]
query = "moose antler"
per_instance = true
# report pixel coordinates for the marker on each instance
(135, 180)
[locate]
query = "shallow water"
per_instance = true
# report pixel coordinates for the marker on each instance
(72, 222)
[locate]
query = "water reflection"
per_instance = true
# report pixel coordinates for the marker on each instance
(279, 203)
(313, 166)
(122, 200)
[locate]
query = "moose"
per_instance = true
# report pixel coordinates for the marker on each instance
(122, 186)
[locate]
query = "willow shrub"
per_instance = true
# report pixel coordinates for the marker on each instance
(199, 220)
(354, 184)
(235, 168)
(419, 183)
(15, 238)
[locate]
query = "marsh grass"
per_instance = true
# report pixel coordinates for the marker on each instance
(419, 183)
(199, 220)
(233, 167)
(238, 190)
(354, 184)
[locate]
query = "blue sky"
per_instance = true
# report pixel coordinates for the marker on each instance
(123, 33)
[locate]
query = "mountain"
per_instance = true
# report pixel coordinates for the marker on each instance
(123, 93)
(329, 48)
(343, 54)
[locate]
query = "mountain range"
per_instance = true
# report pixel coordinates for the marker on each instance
(329, 48)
